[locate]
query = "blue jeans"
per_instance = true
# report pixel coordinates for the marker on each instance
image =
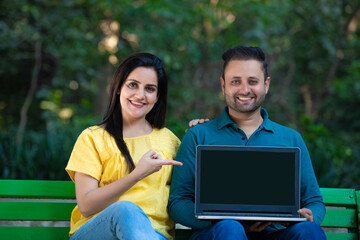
(230, 229)
(223, 230)
(121, 220)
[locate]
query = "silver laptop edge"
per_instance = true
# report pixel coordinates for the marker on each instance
(268, 219)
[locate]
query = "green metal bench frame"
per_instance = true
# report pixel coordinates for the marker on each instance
(342, 213)
(52, 201)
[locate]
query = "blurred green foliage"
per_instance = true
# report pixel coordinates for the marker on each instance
(57, 57)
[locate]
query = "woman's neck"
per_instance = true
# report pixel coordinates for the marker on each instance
(136, 128)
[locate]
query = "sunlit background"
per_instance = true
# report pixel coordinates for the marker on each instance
(57, 58)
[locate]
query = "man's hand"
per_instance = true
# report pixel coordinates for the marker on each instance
(306, 213)
(256, 227)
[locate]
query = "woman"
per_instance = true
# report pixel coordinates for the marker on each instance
(121, 184)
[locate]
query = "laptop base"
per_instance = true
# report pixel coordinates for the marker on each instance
(254, 218)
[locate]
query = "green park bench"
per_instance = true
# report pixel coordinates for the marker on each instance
(37, 209)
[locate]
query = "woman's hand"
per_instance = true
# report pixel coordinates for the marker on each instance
(195, 122)
(92, 199)
(151, 162)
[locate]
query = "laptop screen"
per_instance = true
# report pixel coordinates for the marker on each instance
(255, 179)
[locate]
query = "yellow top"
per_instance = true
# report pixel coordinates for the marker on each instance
(96, 154)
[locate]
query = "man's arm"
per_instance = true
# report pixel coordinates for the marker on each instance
(182, 191)
(311, 197)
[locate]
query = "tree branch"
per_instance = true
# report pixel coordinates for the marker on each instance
(318, 98)
(30, 95)
(285, 87)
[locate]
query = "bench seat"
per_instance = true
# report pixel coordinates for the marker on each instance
(38, 209)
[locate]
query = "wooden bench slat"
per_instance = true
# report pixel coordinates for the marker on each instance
(358, 210)
(341, 236)
(25, 200)
(339, 196)
(37, 188)
(36, 211)
(38, 233)
(340, 218)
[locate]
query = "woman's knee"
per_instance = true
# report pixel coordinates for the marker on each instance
(124, 206)
(130, 221)
(125, 210)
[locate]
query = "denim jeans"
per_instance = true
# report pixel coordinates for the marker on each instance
(223, 230)
(230, 229)
(121, 220)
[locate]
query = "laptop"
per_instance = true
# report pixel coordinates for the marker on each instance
(247, 183)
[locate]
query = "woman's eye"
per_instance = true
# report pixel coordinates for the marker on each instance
(150, 89)
(132, 85)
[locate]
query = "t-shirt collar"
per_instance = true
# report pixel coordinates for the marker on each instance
(225, 120)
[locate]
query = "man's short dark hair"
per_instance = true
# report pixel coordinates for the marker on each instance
(245, 53)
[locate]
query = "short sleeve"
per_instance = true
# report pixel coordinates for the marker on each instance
(85, 156)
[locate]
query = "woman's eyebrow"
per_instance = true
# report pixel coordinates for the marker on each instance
(134, 80)
(152, 85)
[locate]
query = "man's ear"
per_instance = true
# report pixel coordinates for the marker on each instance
(267, 84)
(222, 81)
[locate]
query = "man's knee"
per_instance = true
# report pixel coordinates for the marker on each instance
(307, 230)
(230, 228)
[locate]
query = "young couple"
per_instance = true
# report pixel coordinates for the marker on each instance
(122, 168)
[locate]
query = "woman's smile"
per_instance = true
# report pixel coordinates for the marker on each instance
(137, 104)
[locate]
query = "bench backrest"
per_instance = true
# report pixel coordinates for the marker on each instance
(342, 213)
(35, 209)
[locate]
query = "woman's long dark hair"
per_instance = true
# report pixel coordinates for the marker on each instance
(112, 121)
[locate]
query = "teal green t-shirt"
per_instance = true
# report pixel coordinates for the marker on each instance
(223, 131)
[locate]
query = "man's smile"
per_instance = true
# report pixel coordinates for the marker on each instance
(244, 99)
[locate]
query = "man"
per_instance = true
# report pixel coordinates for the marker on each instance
(245, 83)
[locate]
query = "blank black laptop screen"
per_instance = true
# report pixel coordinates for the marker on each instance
(247, 177)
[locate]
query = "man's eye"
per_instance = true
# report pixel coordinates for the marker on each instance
(253, 82)
(235, 82)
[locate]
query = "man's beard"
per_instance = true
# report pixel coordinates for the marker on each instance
(235, 105)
